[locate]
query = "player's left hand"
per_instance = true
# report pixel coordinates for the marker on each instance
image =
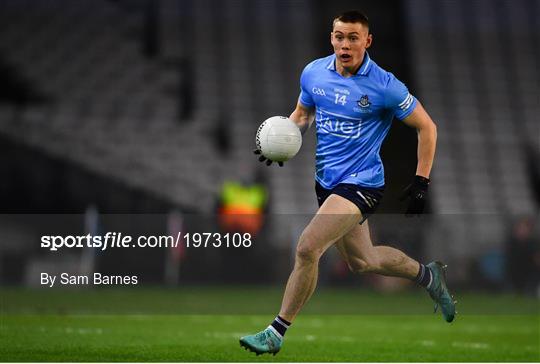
(262, 158)
(417, 192)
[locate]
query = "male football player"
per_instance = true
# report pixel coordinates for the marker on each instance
(353, 101)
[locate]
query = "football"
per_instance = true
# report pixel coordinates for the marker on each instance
(278, 138)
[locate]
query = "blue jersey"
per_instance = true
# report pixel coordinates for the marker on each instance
(353, 116)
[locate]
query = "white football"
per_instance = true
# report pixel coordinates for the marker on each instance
(278, 138)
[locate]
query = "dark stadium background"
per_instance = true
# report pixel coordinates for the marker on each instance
(127, 115)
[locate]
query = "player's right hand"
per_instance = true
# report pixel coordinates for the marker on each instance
(417, 192)
(262, 158)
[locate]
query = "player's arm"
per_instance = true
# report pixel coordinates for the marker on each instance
(427, 139)
(408, 109)
(303, 116)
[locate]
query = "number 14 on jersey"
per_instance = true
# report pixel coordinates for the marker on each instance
(341, 99)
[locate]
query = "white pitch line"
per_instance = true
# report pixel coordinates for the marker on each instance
(224, 335)
(496, 329)
(427, 343)
(83, 331)
(470, 345)
(315, 323)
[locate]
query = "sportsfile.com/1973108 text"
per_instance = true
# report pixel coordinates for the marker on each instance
(119, 240)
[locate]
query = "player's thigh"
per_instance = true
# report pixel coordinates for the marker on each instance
(335, 218)
(356, 248)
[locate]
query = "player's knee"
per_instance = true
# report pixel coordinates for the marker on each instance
(307, 250)
(306, 254)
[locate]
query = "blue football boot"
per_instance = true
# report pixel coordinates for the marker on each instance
(266, 341)
(439, 292)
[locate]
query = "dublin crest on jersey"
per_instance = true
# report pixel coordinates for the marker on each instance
(364, 101)
(364, 104)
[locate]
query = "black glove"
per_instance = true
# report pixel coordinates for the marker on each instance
(417, 191)
(262, 158)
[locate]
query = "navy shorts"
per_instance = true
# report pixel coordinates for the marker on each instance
(366, 198)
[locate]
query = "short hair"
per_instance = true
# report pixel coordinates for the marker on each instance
(352, 16)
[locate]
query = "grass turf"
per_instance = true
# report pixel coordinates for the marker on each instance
(125, 326)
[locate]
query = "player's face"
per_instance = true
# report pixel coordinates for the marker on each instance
(350, 41)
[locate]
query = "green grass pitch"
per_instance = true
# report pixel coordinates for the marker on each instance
(203, 325)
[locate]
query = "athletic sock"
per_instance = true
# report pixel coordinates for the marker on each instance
(424, 276)
(279, 326)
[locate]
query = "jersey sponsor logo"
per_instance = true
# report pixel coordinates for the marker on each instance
(341, 128)
(318, 91)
